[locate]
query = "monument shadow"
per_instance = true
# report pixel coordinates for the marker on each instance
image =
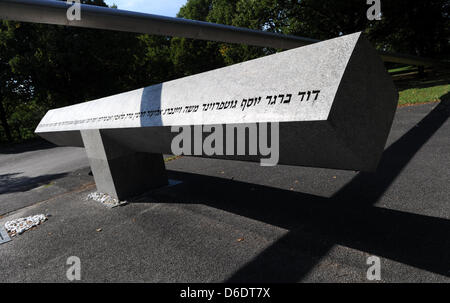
(316, 223)
(12, 182)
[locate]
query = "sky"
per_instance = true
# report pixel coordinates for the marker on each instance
(158, 7)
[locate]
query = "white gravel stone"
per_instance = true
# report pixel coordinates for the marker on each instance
(105, 199)
(18, 226)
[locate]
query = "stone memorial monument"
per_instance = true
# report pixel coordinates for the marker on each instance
(334, 103)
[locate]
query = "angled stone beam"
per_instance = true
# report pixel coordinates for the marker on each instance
(333, 101)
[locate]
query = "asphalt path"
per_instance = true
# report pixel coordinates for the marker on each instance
(230, 221)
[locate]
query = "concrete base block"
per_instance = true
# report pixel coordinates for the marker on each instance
(119, 171)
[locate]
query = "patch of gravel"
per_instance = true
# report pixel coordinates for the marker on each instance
(105, 199)
(18, 226)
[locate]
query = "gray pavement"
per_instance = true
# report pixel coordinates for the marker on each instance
(239, 222)
(38, 171)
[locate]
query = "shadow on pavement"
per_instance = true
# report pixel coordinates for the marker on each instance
(317, 223)
(13, 182)
(36, 144)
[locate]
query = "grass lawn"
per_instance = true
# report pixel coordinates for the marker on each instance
(422, 95)
(401, 69)
(414, 90)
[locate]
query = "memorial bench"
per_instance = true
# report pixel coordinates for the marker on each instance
(332, 102)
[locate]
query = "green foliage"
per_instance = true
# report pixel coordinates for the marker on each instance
(25, 113)
(44, 66)
(191, 56)
(414, 27)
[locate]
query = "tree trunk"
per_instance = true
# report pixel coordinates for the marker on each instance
(4, 121)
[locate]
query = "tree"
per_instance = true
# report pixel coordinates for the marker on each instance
(191, 56)
(47, 66)
(414, 27)
(14, 88)
(408, 26)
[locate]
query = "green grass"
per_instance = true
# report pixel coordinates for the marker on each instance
(422, 95)
(171, 158)
(402, 69)
(47, 185)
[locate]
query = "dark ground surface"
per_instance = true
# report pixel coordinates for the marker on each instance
(295, 223)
